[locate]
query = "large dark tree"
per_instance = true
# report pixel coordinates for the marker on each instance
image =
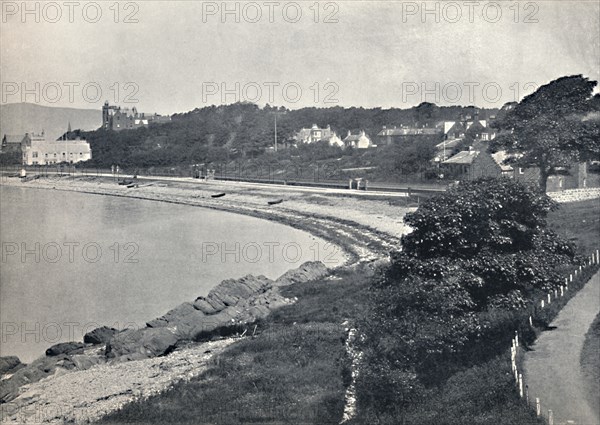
(552, 128)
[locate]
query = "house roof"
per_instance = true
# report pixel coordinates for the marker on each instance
(464, 157)
(12, 138)
(352, 137)
(448, 144)
(499, 158)
(406, 131)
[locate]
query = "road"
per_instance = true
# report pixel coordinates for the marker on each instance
(552, 369)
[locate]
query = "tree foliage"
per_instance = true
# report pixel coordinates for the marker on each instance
(553, 127)
(476, 255)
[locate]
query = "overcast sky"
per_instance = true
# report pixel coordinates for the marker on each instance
(180, 54)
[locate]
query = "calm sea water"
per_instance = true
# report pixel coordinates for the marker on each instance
(72, 262)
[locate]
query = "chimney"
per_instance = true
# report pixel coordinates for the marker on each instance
(349, 133)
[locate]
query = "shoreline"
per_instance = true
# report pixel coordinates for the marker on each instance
(357, 234)
(359, 238)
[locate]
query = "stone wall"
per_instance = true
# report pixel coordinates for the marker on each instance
(574, 195)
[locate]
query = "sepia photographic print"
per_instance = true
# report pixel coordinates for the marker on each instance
(352, 212)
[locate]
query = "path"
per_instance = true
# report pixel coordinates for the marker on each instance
(552, 370)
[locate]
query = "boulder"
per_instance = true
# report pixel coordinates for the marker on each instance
(173, 316)
(143, 343)
(66, 348)
(33, 372)
(83, 362)
(204, 306)
(9, 364)
(99, 335)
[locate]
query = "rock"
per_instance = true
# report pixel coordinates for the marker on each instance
(141, 343)
(308, 271)
(33, 372)
(65, 348)
(99, 335)
(204, 306)
(9, 364)
(173, 316)
(83, 362)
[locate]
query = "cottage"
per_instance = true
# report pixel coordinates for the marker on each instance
(317, 134)
(471, 165)
(358, 141)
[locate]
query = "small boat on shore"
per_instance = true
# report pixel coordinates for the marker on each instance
(125, 182)
(217, 195)
(278, 201)
(129, 186)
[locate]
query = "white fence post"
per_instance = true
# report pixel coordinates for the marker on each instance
(562, 292)
(521, 385)
(538, 407)
(550, 417)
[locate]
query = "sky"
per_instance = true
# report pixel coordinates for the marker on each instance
(174, 56)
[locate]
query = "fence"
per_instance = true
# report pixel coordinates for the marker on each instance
(544, 303)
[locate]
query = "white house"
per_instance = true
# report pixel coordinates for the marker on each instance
(358, 141)
(37, 151)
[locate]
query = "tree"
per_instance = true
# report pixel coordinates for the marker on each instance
(494, 229)
(551, 128)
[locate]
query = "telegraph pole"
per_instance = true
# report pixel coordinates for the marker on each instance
(275, 113)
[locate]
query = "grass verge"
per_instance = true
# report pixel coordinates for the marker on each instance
(578, 222)
(295, 369)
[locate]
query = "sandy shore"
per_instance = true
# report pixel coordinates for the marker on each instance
(365, 228)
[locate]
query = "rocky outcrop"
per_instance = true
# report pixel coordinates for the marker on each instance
(48, 366)
(233, 303)
(136, 344)
(307, 271)
(66, 348)
(99, 335)
(9, 364)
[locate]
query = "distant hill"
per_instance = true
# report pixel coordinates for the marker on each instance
(21, 118)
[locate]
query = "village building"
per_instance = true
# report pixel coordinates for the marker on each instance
(37, 150)
(479, 162)
(117, 118)
(11, 143)
(392, 135)
(471, 165)
(358, 141)
(317, 134)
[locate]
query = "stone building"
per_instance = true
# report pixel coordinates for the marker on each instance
(117, 118)
(37, 150)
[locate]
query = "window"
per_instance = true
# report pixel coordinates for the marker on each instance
(54, 154)
(35, 154)
(80, 154)
(46, 155)
(484, 136)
